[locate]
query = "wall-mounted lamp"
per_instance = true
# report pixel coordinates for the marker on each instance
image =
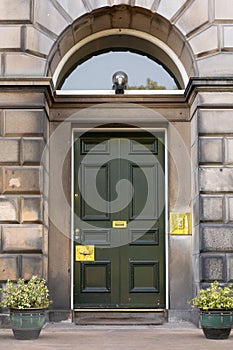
(120, 80)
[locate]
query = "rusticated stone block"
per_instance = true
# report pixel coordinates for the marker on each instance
(22, 180)
(53, 20)
(23, 122)
(216, 179)
(32, 150)
(96, 3)
(188, 22)
(36, 41)
(217, 238)
(16, 10)
(17, 99)
(230, 270)
(229, 150)
(229, 213)
(211, 149)
(9, 209)
(209, 121)
(9, 268)
(31, 209)
(74, 9)
(213, 267)
(1, 180)
(22, 238)
(22, 64)
(9, 150)
(207, 40)
(168, 8)
(32, 265)
(218, 98)
(216, 65)
(211, 208)
(10, 37)
(148, 4)
(227, 36)
(223, 9)
(140, 20)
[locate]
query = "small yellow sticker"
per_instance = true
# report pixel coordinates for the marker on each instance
(180, 224)
(119, 224)
(84, 253)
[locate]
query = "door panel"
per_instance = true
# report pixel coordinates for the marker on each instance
(120, 178)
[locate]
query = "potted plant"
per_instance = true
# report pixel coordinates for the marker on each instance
(27, 302)
(215, 304)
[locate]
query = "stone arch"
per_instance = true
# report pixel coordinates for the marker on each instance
(122, 28)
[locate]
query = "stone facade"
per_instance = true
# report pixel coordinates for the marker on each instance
(40, 41)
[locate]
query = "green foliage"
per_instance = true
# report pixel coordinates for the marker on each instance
(150, 85)
(21, 295)
(214, 297)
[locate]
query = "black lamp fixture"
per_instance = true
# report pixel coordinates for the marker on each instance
(120, 80)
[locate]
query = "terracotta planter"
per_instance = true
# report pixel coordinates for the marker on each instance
(216, 324)
(27, 323)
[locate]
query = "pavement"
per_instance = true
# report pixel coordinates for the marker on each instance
(68, 336)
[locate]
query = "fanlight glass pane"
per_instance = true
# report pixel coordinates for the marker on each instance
(96, 73)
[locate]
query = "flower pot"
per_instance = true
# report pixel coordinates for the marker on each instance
(216, 324)
(27, 323)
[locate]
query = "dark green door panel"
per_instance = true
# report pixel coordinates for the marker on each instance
(120, 178)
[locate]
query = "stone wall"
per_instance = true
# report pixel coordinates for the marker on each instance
(23, 194)
(213, 169)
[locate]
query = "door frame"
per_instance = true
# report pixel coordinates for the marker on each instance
(107, 130)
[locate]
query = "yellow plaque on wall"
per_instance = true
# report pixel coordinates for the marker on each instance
(180, 224)
(84, 253)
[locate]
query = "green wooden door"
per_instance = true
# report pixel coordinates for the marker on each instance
(120, 178)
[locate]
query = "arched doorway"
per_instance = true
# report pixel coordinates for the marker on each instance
(102, 283)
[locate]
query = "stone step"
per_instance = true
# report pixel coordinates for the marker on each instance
(119, 317)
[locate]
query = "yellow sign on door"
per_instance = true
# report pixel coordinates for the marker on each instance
(84, 253)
